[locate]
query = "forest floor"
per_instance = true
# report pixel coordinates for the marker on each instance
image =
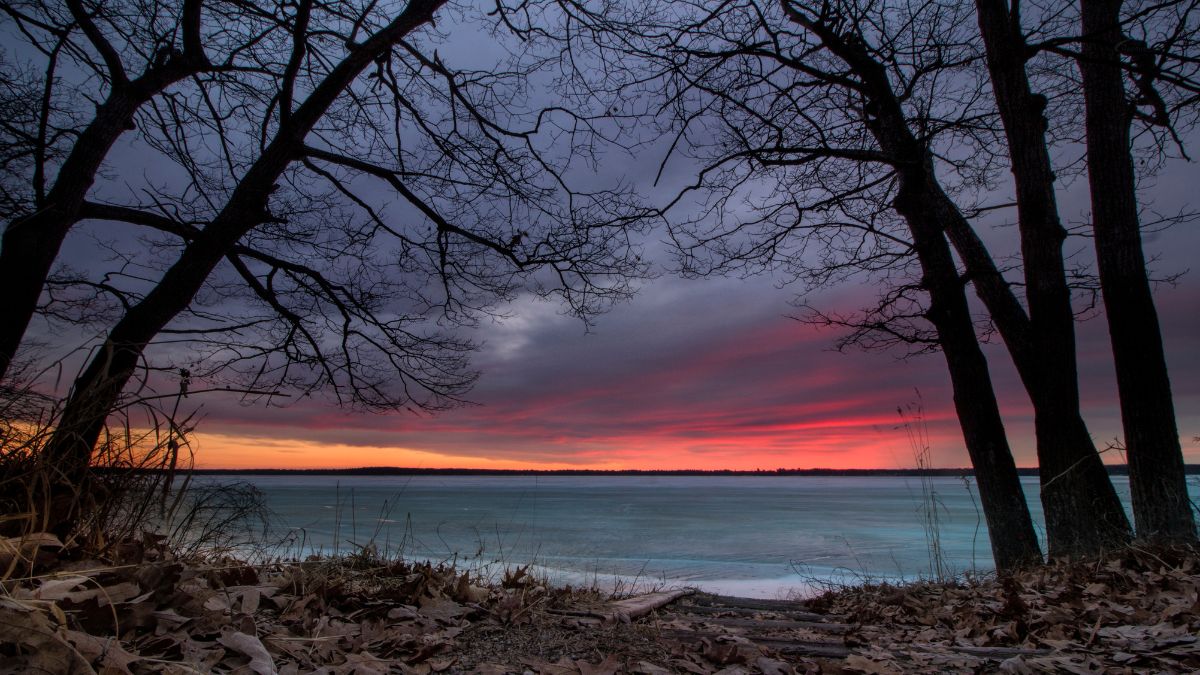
(143, 611)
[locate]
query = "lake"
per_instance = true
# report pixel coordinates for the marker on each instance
(761, 536)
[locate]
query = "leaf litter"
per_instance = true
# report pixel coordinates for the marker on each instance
(1134, 612)
(153, 613)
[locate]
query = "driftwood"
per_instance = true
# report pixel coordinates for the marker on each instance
(642, 605)
(997, 653)
(838, 651)
(761, 604)
(624, 611)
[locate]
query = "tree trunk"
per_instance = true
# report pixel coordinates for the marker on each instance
(1010, 527)
(1014, 542)
(31, 243)
(1069, 464)
(1084, 516)
(1161, 508)
(97, 391)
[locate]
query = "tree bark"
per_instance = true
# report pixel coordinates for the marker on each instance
(1010, 527)
(1161, 508)
(97, 391)
(1069, 464)
(1014, 542)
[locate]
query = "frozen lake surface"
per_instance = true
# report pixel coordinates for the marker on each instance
(764, 536)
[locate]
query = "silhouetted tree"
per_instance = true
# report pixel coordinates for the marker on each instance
(803, 156)
(1043, 342)
(930, 215)
(815, 136)
(115, 55)
(1108, 59)
(288, 265)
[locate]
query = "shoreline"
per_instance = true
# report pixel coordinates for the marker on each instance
(149, 611)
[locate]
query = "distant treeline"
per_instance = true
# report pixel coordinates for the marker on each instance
(1113, 469)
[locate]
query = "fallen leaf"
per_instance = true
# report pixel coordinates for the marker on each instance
(250, 599)
(56, 589)
(771, 666)
(106, 595)
(684, 664)
(609, 666)
(442, 609)
(25, 547)
(249, 645)
(647, 668)
(45, 651)
(364, 664)
(105, 652)
(862, 664)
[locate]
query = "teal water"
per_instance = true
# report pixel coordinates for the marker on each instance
(750, 535)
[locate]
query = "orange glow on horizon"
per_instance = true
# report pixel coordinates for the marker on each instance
(833, 446)
(224, 451)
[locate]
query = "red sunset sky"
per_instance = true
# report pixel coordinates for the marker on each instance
(714, 374)
(672, 380)
(709, 374)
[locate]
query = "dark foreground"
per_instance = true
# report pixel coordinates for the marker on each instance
(143, 611)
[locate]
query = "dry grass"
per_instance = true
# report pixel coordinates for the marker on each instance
(138, 481)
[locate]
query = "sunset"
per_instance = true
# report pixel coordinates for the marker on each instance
(599, 337)
(664, 383)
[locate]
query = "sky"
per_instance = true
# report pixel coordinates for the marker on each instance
(716, 374)
(707, 374)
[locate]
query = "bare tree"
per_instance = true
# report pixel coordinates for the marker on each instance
(810, 137)
(1043, 342)
(1108, 58)
(803, 124)
(931, 215)
(1083, 513)
(115, 55)
(1027, 124)
(344, 192)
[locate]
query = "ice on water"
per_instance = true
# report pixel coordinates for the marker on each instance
(760, 536)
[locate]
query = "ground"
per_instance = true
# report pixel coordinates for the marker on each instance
(141, 610)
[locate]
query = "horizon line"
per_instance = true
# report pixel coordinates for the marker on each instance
(1113, 469)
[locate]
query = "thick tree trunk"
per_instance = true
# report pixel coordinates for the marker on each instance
(1082, 508)
(97, 391)
(31, 243)
(1014, 542)
(1010, 527)
(1084, 516)
(1070, 466)
(1161, 507)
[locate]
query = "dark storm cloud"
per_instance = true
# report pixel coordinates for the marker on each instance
(709, 371)
(696, 365)
(712, 368)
